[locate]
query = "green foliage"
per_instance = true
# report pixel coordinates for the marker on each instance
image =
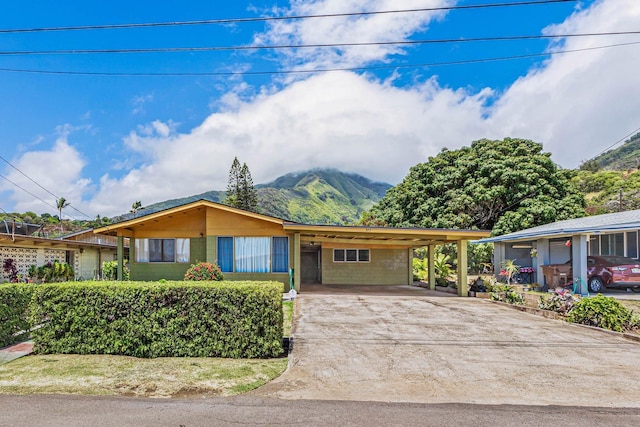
(52, 272)
(622, 158)
(603, 312)
(503, 186)
(508, 269)
(602, 189)
(204, 271)
(420, 269)
(110, 270)
(152, 319)
(14, 313)
(505, 293)
(561, 302)
(240, 190)
(442, 267)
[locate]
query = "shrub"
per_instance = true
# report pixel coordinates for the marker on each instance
(110, 270)
(603, 312)
(9, 267)
(53, 272)
(562, 301)
(14, 313)
(204, 271)
(152, 319)
(506, 293)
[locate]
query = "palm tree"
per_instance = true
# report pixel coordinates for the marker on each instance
(135, 206)
(61, 203)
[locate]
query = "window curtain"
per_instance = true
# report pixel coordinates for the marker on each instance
(142, 250)
(225, 254)
(252, 254)
(280, 259)
(183, 250)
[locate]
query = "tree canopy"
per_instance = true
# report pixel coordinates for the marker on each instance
(503, 186)
(241, 192)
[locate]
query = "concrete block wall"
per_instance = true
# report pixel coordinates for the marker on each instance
(386, 267)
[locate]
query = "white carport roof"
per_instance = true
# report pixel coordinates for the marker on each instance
(618, 221)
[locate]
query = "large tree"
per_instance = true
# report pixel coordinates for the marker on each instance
(241, 192)
(503, 186)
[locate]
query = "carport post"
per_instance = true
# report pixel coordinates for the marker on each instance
(296, 261)
(432, 267)
(579, 267)
(462, 268)
(120, 255)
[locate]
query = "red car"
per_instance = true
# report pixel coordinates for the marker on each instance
(608, 271)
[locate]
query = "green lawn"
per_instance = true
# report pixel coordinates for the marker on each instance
(130, 376)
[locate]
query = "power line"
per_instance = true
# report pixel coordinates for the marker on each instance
(36, 183)
(302, 46)
(28, 192)
(276, 18)
(624, 138)
(319, 70)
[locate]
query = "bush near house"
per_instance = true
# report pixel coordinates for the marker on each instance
(153, 319)
(604, 312)
(14, 312)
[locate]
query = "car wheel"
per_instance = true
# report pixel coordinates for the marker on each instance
(596, 285)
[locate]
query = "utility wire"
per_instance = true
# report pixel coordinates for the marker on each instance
(36, 183)
(301, 46)
(276, 18)
(319, 70)
(624, 138)
(28, 192)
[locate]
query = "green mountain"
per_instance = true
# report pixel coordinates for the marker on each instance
(318, 196)
(625, 157)
(611, 181)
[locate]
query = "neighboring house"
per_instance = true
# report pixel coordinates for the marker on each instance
(571, 240)
(251, 246)
(84, 251)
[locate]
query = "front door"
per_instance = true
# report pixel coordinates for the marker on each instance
(310, 265)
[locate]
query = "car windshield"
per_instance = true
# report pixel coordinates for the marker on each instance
(618, 260)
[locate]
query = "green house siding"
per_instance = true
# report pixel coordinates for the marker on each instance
(387, 267)
(166, 270)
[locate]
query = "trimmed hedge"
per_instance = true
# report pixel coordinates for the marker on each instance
(153, 319)
(14, 312)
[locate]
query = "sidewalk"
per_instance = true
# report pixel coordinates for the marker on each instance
(15, 351)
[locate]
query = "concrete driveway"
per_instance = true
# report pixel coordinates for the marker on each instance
(397, 348)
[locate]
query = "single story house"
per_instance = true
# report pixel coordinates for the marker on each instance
(252, 246)
(84, 250)
(570, 240)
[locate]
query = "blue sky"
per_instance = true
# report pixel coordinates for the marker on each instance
(104, 141)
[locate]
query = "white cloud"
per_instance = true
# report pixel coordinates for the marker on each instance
(575, 104)
(578, 104)
(58, 170)
(349, 29)
(139, 102)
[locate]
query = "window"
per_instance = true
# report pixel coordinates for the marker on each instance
(252, 254)
(612, 244)
(163, 250)
(351, 255)
(280, 258)
(225, 254)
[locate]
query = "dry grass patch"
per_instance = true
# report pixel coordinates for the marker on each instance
(631, 304)
(130, 376)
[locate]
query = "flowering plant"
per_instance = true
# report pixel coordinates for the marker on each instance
(203, 271)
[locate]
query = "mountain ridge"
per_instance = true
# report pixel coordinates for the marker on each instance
(314, 196)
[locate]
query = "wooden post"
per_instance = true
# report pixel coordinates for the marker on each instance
(462, 268)
(432, 267)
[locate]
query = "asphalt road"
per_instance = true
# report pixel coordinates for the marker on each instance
(71, 411)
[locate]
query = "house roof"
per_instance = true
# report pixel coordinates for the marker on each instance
(191, 206)
(64, 244)
(618, 221)
(318, 233)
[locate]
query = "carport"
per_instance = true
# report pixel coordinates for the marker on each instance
(570, 240)
(379, 256)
